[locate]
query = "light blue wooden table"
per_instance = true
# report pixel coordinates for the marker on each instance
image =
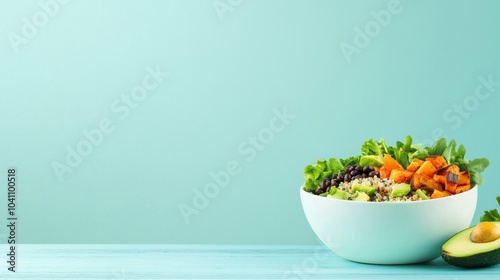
(214, 262)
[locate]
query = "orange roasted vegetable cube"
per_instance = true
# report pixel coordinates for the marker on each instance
(438, 194)
(450, 168)
(451, 187)
(427, 169)
(428, 183)
(464, 178)
(390, 163)
(384, 173)
(400, 176)
(463, 188)
(415, 181)
(415, 164)
(437, 161)
(439, 178)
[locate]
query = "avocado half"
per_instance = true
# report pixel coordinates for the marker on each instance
(459, 250)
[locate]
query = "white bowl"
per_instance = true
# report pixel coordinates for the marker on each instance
(388, 232)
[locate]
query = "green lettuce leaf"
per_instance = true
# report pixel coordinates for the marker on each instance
(438, 147)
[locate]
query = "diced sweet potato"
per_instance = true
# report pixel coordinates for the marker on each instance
(397, 176)
(390, 163)
(463, 178)
(438, 194)
(442, 171)
(400, 176)
(408, 175)
(415, 164)
(439, 178)
(384, 173)
(451, 174)
(437, 161)
(427, 169)
(462, 188)
(450, 168)
(422, 181)
(451, 187)
(428, 183)
(453, 169)
(415, 181)
(451, 182)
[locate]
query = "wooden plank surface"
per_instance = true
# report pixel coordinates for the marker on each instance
(214, 262)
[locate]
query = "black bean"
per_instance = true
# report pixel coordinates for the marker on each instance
(325, 183)
(373, 173)
(319, 191)
(359, 169)
(354, 173)
(364, 175)
(340, 178)
(347, 177)
(349, 168)
(367, 169)
(335, 182)
(328, 189)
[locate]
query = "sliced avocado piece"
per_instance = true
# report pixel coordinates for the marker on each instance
(371, 160)
(369, 190)
(399, 190)
(332, 191)
(361, 196)
(459, 250)
(340, 194)
(421, 194)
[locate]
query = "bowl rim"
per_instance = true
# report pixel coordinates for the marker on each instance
(455, 196)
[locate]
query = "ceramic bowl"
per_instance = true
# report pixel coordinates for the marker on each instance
(388, 232)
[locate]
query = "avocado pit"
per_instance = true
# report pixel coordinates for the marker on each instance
(485, 232)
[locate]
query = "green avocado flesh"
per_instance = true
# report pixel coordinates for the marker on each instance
(400, 190)
(459, 250)
(364, 188)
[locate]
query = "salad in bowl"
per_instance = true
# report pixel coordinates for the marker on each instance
(392, 204)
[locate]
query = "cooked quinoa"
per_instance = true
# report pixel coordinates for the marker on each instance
(383, 191)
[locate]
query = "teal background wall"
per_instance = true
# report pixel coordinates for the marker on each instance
(234, 67)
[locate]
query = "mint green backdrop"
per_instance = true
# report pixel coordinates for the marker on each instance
(213, 108)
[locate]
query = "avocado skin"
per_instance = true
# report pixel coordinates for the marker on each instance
(474, 261)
